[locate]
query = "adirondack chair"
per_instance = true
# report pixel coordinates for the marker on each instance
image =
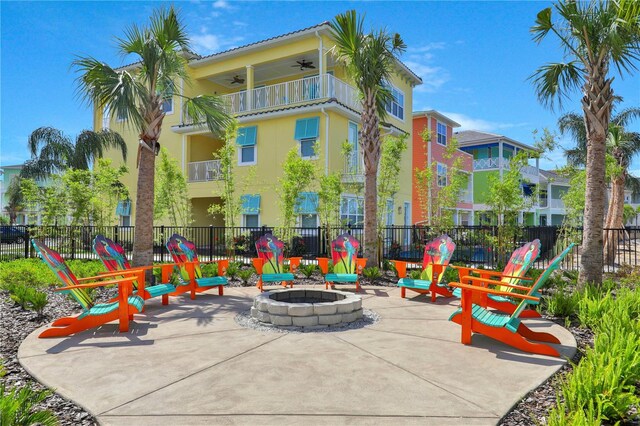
(93, 314)
(270, 262)
(114, 259)
(189, 274)
(346, 265)
(435, 260)
(514, 274)
(506, 328)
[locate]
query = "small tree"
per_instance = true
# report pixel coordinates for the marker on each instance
(78, 187)
(171, 196)
(51, 201)
(329, 199)
(297, 176)
(108, 190)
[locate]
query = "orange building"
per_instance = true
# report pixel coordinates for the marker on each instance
(432, 152)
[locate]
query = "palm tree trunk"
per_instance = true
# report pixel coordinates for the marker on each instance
(143, 237)
(615, 219)
(370, 137)
(596, 105)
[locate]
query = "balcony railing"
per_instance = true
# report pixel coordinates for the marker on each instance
(353, 167)
(553, 203)
(203, 171)
(292, 93)
(486, 163)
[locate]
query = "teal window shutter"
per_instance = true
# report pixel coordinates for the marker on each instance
(307, 203)
(307, 128)
(123, 208)
(250, 204)
(247, 136)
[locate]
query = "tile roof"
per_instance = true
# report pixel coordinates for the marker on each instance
(554, 177)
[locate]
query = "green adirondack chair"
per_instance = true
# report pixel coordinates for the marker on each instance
(189, 274)
(506, 328)
(114, 259)
(511, 278)
(93, 314)
(435, 260)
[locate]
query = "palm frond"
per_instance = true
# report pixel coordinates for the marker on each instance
(624, 117)
(92, 145)
(211, 110)
(555, 82)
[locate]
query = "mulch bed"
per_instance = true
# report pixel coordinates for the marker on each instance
(16, 324)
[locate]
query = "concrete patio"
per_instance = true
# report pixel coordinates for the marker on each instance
(190, 363)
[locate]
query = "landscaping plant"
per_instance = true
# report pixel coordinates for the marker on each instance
(233, 269)
(245, 275)
(308, 270)
(372, 273)
(18, 407)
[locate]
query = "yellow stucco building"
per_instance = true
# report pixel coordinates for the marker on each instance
(285, 92)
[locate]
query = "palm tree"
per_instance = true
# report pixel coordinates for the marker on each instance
(52, 151)
(370, 60)
(594, 36)
(137, 94)
(14, 199)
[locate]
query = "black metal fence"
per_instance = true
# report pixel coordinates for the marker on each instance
(474, 244)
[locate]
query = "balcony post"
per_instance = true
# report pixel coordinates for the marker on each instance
(322, 69)
(500, 159)
(250, 84)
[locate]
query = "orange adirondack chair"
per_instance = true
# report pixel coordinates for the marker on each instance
(93, 314)
(269, 264)
(347, 267)
(189, 274)
(513, 277)
(437, 255)
(506, 328)
(114, 259)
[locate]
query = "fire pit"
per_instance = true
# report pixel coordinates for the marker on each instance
(306, 308)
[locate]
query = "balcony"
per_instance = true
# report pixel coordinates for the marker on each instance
(353, 170)
(204, 171)
(295, 92)
(552, 203)
(486, 163)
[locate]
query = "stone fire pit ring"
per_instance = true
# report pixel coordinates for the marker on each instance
(306, 308)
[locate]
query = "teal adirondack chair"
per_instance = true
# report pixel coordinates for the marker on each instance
(114, 259)
(506, 328)
(93, 314)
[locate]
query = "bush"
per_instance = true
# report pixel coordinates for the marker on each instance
(32, 272)
(372, 273)
(450, 275)
(245, 275)
(20, 295)
(562, 303)
(38, 301)
(233, 269)
(209, 270)
(28, 298)
(298, 247)
(18, 407)
(308, 270)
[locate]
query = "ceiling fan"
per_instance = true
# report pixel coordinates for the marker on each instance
(304, 64)
(237, 80)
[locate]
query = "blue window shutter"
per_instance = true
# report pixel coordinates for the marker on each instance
(307, 203)
(250, 204)
(247, 136)
(307, 128)
(123, 208)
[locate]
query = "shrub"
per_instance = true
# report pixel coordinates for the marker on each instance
(245, 274)
(38, 300)
(372, 273)
(298, 247)
(307, 270)
(450, 275)
(562, 303)
(210, 270)
(18, 407)
(233, 269)
(19, 293)
(415, 274)
(86, 268)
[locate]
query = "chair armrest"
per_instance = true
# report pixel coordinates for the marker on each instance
(110, 274)
(323, 264)
(401, 267)
(360, 265)
(492, 291)
(493, 282)
(294, 262)
(98, 284)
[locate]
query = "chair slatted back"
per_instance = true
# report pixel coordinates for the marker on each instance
(57, 264)
(553, 265)
(344, 252)
(519, 263)
(183, 251)
(436, 252)
(112, 255)
(271, 251)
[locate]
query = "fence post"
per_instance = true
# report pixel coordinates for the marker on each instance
(319, 234)
(26, 241)
(73, 247)
(161, 245)
(115, 234)
(210, 242)
(263, 230)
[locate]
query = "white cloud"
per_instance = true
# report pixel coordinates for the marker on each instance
(221, 4)
(436, 45)
(206, 43)
(240, 24)
(420, 60)
(469, 123)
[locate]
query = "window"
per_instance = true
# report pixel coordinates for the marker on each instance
(352, 210)
(307, 148)
(251, 220)
(442, 175)
(442, 134)
(309, 221)
(246, 140)
(396, 106)
(167, 104)
(353, 162)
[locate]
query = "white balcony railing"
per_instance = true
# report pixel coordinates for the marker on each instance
(486, 163)
(294, 92)
(551, 203)
(353, 166)
(203, 171)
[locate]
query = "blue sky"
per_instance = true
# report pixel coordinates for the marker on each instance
(474, 57)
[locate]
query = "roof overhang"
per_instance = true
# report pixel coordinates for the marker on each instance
(435, 114)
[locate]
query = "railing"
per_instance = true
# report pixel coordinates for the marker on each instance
(486, 163)
(203, 171)
(294, 92)
(556, 204)
(466, 196)
(353, 166)
(529, 170)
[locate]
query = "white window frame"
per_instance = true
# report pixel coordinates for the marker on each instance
(244, 219)
(446, 139)
(438, 175)
(313, 157)
(389, 107)
(343, 214)
(255, 155)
